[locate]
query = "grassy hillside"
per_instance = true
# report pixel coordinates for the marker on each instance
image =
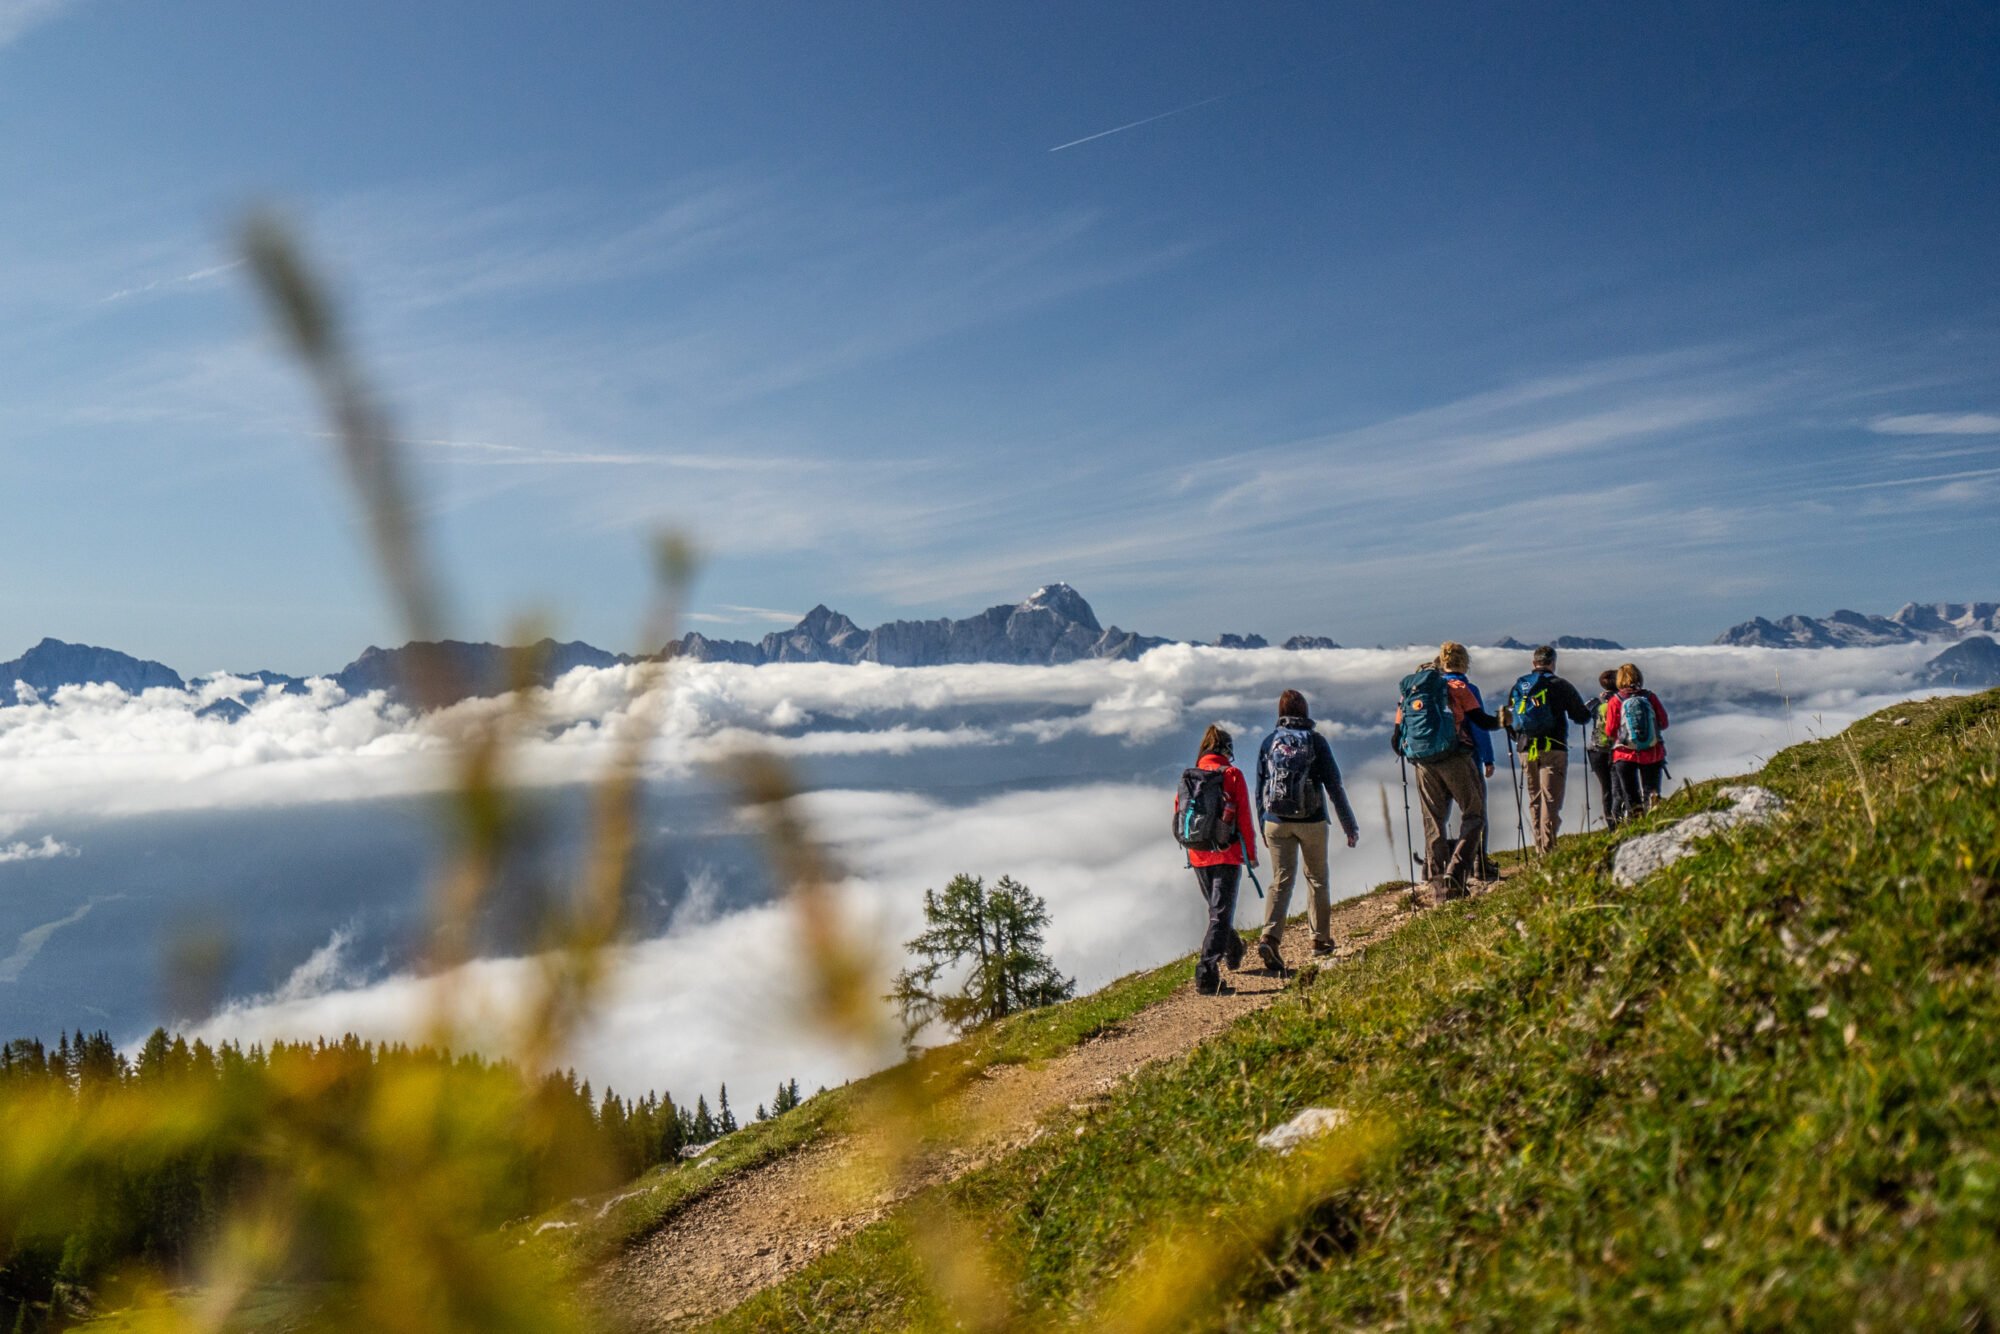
(1762, 1088)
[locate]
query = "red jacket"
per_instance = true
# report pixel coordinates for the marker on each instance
(1236, 797)
(1614, 710)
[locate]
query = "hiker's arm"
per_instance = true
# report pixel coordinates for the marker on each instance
(1481, 718)
(1659, 710)
(1263, 766)
(1241, 796)
(1573, 705)
(1338, 792)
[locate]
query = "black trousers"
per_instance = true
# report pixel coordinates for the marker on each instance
(1219, 944)
(1640, 784)
(1607, 786)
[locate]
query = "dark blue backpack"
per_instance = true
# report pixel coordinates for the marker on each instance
(1528, 706)
(1429, 731)
(1203, 820)
(1289, 790)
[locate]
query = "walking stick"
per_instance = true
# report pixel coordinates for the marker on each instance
(1248, 865)
(1409, 845)
(1520, 821)
(1588, 779)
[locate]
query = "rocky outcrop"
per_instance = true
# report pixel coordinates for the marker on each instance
(1297, 642)
(1640, 857)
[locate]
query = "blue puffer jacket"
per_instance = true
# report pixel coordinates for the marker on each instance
(1482, 740)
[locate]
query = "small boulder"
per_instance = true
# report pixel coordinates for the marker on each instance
(1309, 1124)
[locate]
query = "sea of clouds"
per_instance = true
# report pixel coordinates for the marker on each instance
(1058, 776)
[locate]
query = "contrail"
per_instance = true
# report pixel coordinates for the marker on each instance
(1120, 129)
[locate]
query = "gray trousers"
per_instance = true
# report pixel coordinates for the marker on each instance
(1291, 843)
(1453, 780)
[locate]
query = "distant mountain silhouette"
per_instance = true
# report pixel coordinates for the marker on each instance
(1912, 623)
(472, 669)
(1053, 625)
(1970, 662)
(52, 664)
(1582, 643)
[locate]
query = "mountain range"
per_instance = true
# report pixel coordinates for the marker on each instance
(1912, 623)
(1053, 625)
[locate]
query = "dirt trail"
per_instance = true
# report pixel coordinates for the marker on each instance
(763, 1225)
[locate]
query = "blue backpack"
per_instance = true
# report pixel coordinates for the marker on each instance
(1528, 706)
(1638, 725)
(1289, 790)
(1429, 732)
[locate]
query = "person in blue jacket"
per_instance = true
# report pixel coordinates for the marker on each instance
(1297, 780)
(1454, 659)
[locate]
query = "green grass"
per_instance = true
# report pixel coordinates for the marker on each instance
(1761, 1089)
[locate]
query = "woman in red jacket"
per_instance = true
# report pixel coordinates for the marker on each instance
(1638, 746)
(1219, 872)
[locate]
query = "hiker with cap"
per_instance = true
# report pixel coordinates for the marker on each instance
(1212, 822)
(1538, 712)
(1296, 780)
(1436, 717)
(1598, 740)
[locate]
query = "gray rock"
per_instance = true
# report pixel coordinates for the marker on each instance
(1638, 858)
(1309, 641)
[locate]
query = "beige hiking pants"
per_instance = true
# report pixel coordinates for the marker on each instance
(1289, 843)
(1442, 784)
(1547, 777)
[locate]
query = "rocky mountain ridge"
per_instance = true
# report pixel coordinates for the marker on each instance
(1912, 623)
(1053, 625)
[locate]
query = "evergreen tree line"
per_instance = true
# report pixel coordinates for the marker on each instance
(156, 1209)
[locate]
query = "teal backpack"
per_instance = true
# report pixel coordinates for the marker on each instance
(1429, 730)
(1638, 724)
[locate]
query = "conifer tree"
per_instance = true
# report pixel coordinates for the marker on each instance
(998, 934)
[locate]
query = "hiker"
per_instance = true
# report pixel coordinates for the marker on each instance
(1482, 746)
(1212, 821)
(1636, 721)
(1597, 750)
(1296, 776)
(1538, 712)
(1435, 721)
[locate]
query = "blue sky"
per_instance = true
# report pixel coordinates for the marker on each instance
(1436, 319)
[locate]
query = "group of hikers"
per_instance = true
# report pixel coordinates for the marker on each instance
(1444, 732)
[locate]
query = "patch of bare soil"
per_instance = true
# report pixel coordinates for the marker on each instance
(765, 1224)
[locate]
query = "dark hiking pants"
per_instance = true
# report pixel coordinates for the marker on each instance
(1640, 785)
(1220, 944)
(1607, 786)
(1441, 784)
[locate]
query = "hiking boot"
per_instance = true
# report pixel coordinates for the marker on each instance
(1322, 948)
(1269, 954)
(1236, 951)
(1489, 870)
(1206, 980)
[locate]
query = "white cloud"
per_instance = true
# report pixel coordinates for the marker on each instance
(96, 750)
(1937, 423)
(22, 851)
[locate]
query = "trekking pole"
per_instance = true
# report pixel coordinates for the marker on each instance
(1409, 844)
(1588, 779)
(1248, 865)
(1520, 821)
